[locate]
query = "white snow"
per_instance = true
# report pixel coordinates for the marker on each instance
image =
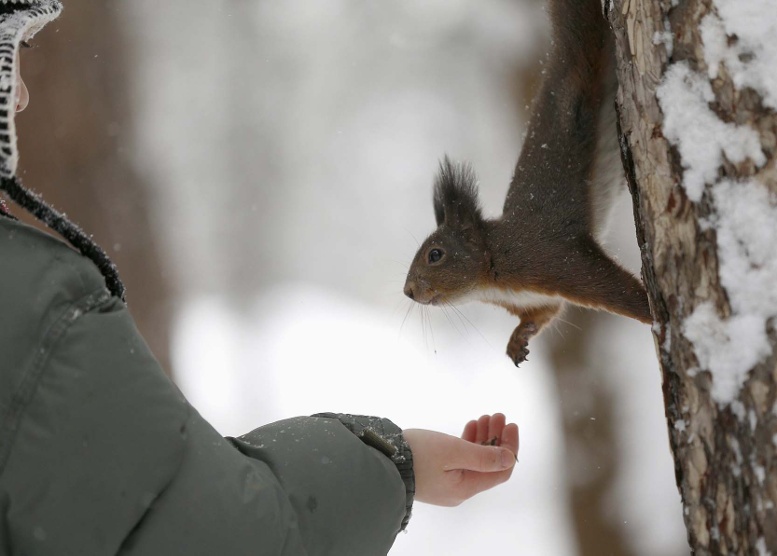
(699, 135)
(747, 245)
(742, 35)
(750, 58)
(746, 226)
(285, 154)
(738, 408)
(299, 350)
(728, 348)
(665, 37)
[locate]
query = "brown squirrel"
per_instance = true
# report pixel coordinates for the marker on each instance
(544, 250)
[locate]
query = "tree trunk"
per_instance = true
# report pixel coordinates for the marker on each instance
(698, 142)
(74, 143)
(589, 442)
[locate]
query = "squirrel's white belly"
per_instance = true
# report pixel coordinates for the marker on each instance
(522, 298)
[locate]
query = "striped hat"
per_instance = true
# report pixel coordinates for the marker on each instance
(19, 21)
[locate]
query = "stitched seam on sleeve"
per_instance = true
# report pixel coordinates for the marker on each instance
(31, 376)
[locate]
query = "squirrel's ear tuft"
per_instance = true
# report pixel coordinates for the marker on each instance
(456, 196)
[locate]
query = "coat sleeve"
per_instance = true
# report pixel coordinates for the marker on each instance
(349, 478)
(304, 486)
(100, 453)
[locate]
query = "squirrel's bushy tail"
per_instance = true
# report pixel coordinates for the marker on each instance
(584, 45)
(580, 36)
(567, 159)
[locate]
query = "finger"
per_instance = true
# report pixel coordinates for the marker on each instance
(495, 426)
(470, 431)
(475, 457)
(482, 434)
(510, 438)
(473, 483)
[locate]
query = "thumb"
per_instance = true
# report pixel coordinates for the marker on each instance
(485, 459)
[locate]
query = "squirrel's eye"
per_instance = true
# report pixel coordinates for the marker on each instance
(435, 255)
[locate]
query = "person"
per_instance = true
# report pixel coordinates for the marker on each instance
(101, 454)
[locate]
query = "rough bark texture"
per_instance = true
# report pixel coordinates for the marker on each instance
(726, 466)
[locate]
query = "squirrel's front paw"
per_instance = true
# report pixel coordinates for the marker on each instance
(518, 346)
(518, 350)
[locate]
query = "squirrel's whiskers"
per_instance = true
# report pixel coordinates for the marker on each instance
(545, 249)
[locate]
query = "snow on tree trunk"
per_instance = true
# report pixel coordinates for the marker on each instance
(698, 116)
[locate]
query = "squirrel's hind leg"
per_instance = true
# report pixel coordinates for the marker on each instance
(533, 320)
(608, 287)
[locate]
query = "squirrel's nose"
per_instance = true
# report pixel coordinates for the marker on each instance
(409, 289)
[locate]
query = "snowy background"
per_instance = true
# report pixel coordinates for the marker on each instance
(291, 147)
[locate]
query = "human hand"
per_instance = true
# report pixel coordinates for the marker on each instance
(449, 470)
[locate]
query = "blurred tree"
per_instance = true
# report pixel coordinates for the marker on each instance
(74, 150)
(724, 441)
(586, 403)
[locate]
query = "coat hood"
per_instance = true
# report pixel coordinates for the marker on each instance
(26, 19)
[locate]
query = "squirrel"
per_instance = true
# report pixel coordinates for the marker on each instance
(545, 250)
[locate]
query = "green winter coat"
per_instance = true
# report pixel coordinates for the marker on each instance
(101, 454)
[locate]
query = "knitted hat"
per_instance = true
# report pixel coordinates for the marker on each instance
(19, 21)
